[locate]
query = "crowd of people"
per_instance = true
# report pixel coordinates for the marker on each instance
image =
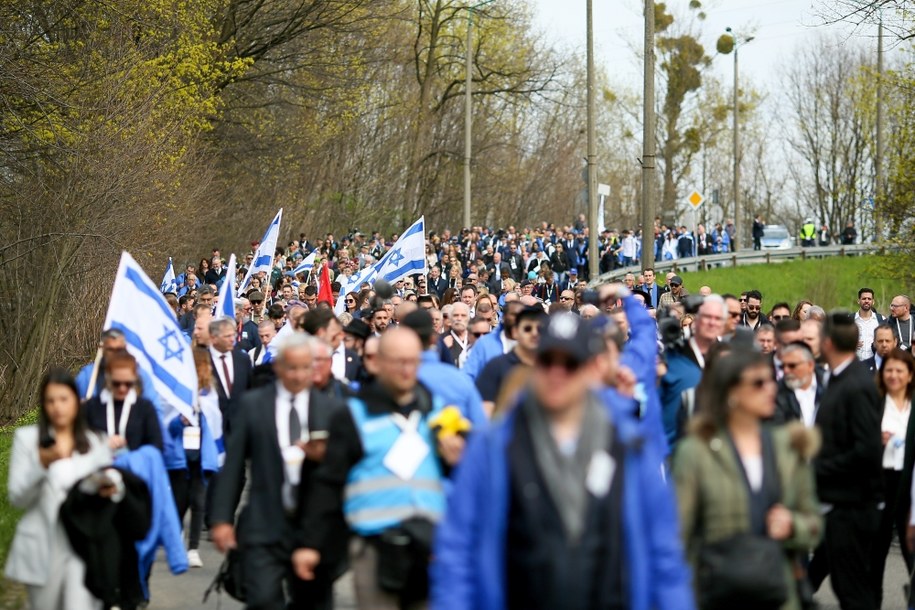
(493, 433)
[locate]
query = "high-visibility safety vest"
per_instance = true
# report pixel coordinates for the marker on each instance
(375, 499)
(808, 231)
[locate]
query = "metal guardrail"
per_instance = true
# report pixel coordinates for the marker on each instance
(741, 258)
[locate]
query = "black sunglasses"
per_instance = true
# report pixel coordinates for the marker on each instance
(478, 335)
(548, 361)
(122, 384)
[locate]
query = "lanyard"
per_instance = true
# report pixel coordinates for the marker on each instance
(125, 413)
(899, 332)
(410, 425)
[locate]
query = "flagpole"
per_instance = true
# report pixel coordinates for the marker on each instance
(90, 390)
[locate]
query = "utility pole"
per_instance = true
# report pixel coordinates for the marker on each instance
(592, 156)
(879, 187)
(468, 119)
(648, 142)
(468, 108)
(738, 223)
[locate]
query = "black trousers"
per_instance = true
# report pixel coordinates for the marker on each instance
(189, 488)
(267, 567)
(891, 518)
(845, 556)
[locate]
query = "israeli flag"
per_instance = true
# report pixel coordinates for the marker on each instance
(406, 256)
(307, 264)
(169, 283)
(225, 308)
(139, 310)
(263, 258)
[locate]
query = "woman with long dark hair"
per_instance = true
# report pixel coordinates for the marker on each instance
(46, 461)
(744, 489)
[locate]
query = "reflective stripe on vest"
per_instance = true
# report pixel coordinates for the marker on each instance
(374, 498)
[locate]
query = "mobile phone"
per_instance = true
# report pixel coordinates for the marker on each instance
(318, 435)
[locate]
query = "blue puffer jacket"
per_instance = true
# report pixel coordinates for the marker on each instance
(176, 459)
(469, 570)
(146, 462)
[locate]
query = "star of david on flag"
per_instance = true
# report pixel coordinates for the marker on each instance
(150, 326)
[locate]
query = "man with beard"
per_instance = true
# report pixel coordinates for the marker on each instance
(456, 342)
(900, 311)
(800, 388)
(867, 320)
(753, 317)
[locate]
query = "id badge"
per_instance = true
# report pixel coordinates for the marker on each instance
(600, 474)
(191, 438)
(406, 454)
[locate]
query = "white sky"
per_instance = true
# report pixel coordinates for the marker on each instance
(778, 26)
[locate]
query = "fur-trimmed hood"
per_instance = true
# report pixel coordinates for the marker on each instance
(805, 441)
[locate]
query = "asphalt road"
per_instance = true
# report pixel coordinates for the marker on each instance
(186, 591)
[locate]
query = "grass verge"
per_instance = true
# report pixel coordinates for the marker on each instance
(11, 594)
(830, 283)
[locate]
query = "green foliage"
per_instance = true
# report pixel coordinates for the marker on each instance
(830, 283)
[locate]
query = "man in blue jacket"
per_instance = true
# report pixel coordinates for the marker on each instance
(561, 504)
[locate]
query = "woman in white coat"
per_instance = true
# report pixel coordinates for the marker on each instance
(46, 461)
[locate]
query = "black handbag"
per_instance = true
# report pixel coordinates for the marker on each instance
(230, 578)
(745, 571)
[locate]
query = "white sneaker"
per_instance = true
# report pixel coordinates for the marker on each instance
(193, 559)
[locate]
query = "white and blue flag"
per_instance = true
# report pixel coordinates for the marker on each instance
(263, 258)
(225, 308)
(307, 264)
(169, 283)
(407, 256)
(139, 310)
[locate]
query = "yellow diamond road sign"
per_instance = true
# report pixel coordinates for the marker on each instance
(695, 199)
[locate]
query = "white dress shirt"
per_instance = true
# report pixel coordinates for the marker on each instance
(866, 327)
(281, 411)
(338, 362)
(896, 422)
(230, 365)
(807, 399)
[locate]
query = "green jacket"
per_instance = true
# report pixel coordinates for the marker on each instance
(713, 500)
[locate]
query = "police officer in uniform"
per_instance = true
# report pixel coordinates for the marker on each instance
(808, 234)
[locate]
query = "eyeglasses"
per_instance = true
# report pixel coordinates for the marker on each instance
(777, 318)
(122, 384)
(530, 328)
(788, 366)
(753, 308)
(350, 300)
(734, 314)
(548, 361)
(895, 305)
(479, 334)
(742, 299)
(565, 298)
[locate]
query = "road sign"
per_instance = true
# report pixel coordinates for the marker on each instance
(603, 189)
(695, 199)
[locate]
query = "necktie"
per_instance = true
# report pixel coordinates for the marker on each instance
(225, 371)
(295, 426)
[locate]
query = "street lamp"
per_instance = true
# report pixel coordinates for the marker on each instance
(735, 43)
(468, 108)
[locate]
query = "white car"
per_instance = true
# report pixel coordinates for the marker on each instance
(776, 237)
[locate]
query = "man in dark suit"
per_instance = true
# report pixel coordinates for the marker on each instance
(323, 324)
(885, 341)
(217, 273)
(848, 468)
(231, 368)
(276, 431)
(437, 284)
(800, 389)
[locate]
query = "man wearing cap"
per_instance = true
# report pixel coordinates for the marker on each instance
(258, 310)
(676, 293)
(527, 335)
(572, 281)
(558, 505)
(354, 335)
